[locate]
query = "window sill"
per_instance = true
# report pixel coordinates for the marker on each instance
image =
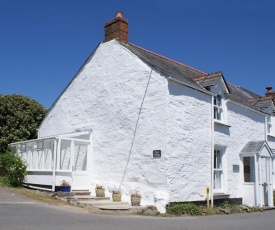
(249, 183)
(271, 135)
(221, 123)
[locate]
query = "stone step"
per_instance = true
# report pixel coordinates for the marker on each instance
(81, 192)
(95, 203)
(106, 205)
(78, 197)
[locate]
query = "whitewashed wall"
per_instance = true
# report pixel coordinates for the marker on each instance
(106, 97)
(188, 143)
(246, 126)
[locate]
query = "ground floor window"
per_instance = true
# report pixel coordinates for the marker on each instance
(218, 171)
(249, 169)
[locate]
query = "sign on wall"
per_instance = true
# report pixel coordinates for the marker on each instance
(156, 153)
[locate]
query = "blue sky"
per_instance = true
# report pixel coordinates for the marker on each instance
(43, 43)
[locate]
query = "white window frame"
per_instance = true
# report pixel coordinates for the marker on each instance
(218, 108)
(269, 124)
(250, 177)
(218, 168)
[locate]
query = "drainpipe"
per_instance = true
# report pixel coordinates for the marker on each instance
(212, 152)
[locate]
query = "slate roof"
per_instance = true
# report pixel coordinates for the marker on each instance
(193, 77)
(208, 81)
(252, 147)
(261, 102)
(167, 66)
(240, 96)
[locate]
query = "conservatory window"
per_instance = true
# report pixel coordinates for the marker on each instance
(218, 110)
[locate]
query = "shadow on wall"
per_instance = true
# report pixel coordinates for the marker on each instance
(246, 113)
(176, 89)
(222, 129)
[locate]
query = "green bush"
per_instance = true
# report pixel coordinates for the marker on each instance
(188, 209)
(20, 118)
(12, 169)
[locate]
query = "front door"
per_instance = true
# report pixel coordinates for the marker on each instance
(264, 182)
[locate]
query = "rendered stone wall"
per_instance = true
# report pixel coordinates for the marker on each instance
(123, 102)
(188, 143)
(245, 126)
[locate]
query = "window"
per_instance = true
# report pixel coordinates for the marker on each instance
(269, 125)
(248, 169)
(218, 172)
(218, 107)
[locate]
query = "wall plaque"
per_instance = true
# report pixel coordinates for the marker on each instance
(156, 153)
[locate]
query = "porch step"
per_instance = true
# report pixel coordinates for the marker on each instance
(102, 203)
(80, 197)
(96, 203)
(81, 192)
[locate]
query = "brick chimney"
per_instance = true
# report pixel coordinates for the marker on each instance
(117, 28)
(270, 93)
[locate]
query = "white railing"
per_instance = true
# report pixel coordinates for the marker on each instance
(66, 153)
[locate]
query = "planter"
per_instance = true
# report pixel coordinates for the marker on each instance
(116, 197)
(65, 188)
(135, 201)
(100, 192)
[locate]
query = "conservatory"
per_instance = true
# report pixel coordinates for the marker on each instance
(53, 159)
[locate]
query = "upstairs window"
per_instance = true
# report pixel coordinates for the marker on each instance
(269, 125)
(218, 110)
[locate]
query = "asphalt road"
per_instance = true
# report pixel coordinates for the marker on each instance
(20, 213)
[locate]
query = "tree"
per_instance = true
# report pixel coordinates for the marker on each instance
(20, 117)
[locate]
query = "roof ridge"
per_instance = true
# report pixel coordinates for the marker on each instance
(259, 99)
(176, 62)
(212, 75)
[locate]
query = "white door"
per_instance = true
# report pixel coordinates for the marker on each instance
(249, 195)
(264, 180)
(79, 165)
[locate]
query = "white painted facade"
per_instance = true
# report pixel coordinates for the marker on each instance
(131, 109)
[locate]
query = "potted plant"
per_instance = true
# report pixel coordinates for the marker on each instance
(65, 186)
(116, 195)
(99, 191)
(135, 198)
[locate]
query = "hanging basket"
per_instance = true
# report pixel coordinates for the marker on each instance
(100, 192)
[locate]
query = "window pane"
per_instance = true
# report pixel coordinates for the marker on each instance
(217, 179)
(217, 159)
(249, 169)
(219, 100)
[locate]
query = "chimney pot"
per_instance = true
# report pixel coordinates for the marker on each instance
(119, 14)
(269, 88)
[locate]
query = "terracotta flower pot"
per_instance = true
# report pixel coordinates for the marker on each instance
(116, 197)
(100, 192)
(135, 201)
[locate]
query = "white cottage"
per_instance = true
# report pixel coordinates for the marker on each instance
(131, 118)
